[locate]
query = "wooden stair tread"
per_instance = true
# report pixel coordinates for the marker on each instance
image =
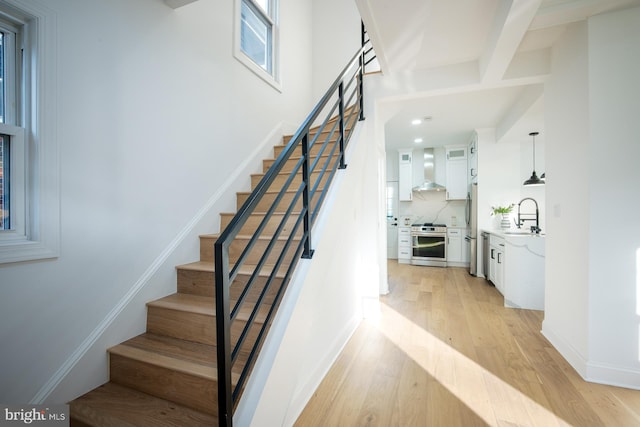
(113, 405)
(203, 305)
(247, 269)
(250, 236)
(296, 156)
(262, 213)
(246, 193)
(171, 353)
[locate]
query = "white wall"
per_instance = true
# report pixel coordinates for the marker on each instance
(336, 35)
(567, 165)
(150, 102)
(594, 237)
(499, 177)
(614, 152)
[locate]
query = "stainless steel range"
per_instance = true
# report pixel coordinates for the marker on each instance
(429, 244)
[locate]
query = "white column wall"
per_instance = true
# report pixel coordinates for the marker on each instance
(155, 116)
(614, 250)
(593, 243)
(566, 321)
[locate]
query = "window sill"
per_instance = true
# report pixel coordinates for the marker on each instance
(25, 250)
(257, 70)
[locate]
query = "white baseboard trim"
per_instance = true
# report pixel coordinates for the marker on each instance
(244, 169)
(613, 375)
(566, 350)
(595, 372)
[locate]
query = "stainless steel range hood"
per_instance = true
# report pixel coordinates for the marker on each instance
(429, 183)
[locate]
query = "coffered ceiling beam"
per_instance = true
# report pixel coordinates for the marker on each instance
(511, 22)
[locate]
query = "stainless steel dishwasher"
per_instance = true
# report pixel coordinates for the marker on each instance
(485, 254)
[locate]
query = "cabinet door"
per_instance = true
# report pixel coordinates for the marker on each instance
(499, 282)
(492, 264)
(454, 247)
(456, 179)
(466, 250)
(404, 183)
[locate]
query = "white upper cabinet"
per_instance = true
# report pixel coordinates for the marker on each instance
(456, 167)
(405, 176)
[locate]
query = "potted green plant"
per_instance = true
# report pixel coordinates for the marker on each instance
(504, 211)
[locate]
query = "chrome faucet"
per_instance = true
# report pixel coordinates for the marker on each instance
(521, 217)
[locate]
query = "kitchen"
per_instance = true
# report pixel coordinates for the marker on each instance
(438, 157)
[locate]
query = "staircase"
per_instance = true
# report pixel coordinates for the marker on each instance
(168, 375)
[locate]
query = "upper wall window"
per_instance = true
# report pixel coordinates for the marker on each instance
(256, 38)
(29, 174)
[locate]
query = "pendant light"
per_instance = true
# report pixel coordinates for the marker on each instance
(534, 180)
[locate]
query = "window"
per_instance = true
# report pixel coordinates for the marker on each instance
(29, 190)
(256, 38)
(10, 65)
(5, 188)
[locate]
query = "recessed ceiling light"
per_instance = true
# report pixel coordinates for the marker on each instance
(416, 121)
(417, 140)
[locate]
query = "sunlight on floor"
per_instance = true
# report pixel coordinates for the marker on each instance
(467, 380)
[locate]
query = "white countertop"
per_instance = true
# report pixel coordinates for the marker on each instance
(514, 233)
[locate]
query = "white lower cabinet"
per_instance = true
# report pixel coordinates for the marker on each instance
(404, 245)
(457, 247)
(518, 275)
(496, 262)
(454, 245)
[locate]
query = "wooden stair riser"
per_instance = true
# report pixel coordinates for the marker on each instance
(269, 198)
(190, 326)
(328, 130)
(314, 150)
(280, 180)
(254, 221)
(259, 249)
(292, 163)
(202, 283)
(256, 253)
(186, 389)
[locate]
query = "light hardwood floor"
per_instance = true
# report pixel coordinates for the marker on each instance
(445, 352)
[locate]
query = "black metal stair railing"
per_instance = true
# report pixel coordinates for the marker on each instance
(368, 55)
(255, 255)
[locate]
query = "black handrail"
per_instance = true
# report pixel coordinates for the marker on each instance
(282, 236)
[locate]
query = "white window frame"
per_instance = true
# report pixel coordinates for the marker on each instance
(272, 78)
(34, 180)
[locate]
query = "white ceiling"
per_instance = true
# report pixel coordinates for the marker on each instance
(417, 36)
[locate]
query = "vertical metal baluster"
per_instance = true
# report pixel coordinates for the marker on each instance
(362, 61)
(223, 335)
(361, 87)
(343, 165)
(308, 252)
